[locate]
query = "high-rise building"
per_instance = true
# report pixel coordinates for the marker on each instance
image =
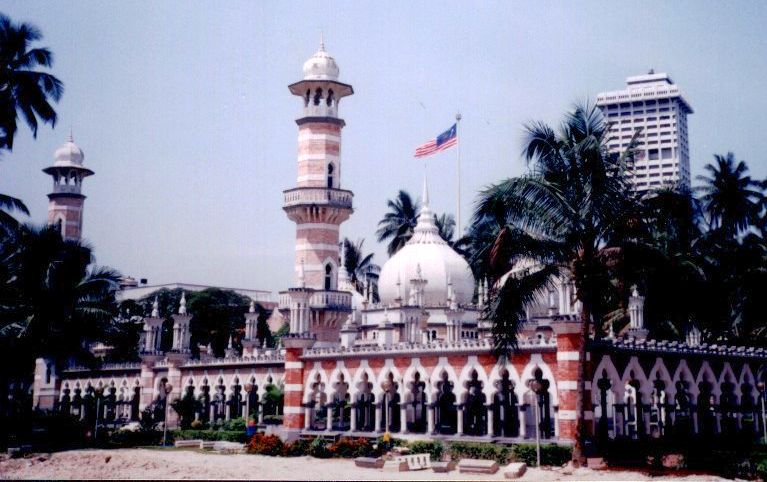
(65, 206)
(654, 104)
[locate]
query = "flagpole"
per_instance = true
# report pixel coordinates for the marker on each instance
(458, 211)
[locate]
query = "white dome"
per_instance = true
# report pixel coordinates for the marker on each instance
(68, 154)
(321, 66)
(437, 261)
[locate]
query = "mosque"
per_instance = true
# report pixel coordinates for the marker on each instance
(417, 363)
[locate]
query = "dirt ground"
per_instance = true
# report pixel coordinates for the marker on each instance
(190, 464)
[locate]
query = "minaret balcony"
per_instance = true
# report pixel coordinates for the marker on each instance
(323, 299)
(318, 196)
(66, 189)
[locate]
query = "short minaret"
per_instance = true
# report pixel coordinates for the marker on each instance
(636, 315)
(250, 341)
(317, 204)
(65, 206)
(693, 336)
(181, 332)
(153, 331)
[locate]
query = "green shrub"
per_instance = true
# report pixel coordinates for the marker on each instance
(480, 450)
(234, 424)
(431, 447)
(224, 435)
(319, 449)
(273, 419)
(553, 455)
(138, 438)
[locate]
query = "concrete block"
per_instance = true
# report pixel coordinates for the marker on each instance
(369, 462)
(395, 465)
(515, 470)
(443, 467)
(476, 466)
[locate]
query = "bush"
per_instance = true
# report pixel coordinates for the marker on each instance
(273, 419)
(319, 449)
(431, 447)
(554, 455)
(197, 425)
(349, 448)
(223, 435)
(137, 438)
(297, 448)
(234, 424)
(478, 450)
(266, 445)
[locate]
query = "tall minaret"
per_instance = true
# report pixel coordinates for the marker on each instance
(65, 206)
(317, 205)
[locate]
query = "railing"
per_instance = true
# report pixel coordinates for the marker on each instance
(332, 299)
(680, 347)
(318, 195)
(322, 110)
(107, 367)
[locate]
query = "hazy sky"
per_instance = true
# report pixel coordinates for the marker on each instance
(182, 108)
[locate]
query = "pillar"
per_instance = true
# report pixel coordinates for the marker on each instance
(377, 426)
(294, 417)
(459, 410)
(353, 420)
(329, 422)
(430, 420)
(522, 421)
(307, 418)
(402, 417)
(490, 421)
(566, 374)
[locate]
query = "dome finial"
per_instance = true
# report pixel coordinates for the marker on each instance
(155, 308)
(182, 304)
(425, 195)
(322, 41)
(71, 137)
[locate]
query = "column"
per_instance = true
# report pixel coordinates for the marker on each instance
(459, 415)
(430, 420)
(307, 417)
(353, 419)
(402, 417)
(329, 422)
(260, 407)
(522, 421)
(490, 421)
(377, 426)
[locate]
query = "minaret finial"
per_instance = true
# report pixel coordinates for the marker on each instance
(301, 275)
(322, 41)
(425, 195)
(182, 304)
(71, 137)
(155, 308)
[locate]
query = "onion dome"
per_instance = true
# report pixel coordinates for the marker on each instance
(321, 66)
(68, 155)
(437, 262)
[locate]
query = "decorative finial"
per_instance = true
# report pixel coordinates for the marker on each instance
(322, 41)
(634, 291)
(155, 308)
(458, 117)
(425, 195)
(252, 308)
(418, 271)
(182, 305)
(71, 137)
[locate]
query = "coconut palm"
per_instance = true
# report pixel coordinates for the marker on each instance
(397, 225)
(9, 204)
(563, 212)
(731, 199)
(356, 263)
(24, 89)
(446, 226)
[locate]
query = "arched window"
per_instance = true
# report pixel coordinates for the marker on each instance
(330, 175)
(317, 96)
(330, 99)
(307, 97)
(328, 276)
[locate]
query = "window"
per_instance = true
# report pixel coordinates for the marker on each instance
(329, 100)
(330, 175)
(317, 96)
(328, 277)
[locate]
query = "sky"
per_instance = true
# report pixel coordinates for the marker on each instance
(182, 109)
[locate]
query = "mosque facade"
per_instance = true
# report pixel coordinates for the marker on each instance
(419, 362)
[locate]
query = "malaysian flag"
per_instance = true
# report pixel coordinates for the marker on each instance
(446, 140)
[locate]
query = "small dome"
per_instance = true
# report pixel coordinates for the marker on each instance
(345, 284)
(428, 256)
(321, 66)
(68, 154)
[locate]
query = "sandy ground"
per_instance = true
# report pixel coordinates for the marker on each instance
(189, 464)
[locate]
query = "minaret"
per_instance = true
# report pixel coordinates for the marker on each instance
(317, 204)
(65, 206)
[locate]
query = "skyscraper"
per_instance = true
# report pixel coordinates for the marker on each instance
(654, 104)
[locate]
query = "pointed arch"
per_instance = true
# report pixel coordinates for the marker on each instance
(536, 361)
(472, 363)
(607, 368)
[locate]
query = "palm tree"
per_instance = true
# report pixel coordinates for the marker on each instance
(446, 226)
(731, 199)
(356, 263)
(54, 301)
(397, 225)
(563, 212)
(7, 205)
(23, 89)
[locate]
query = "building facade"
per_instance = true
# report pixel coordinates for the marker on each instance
(418, 363)
(653, 109)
